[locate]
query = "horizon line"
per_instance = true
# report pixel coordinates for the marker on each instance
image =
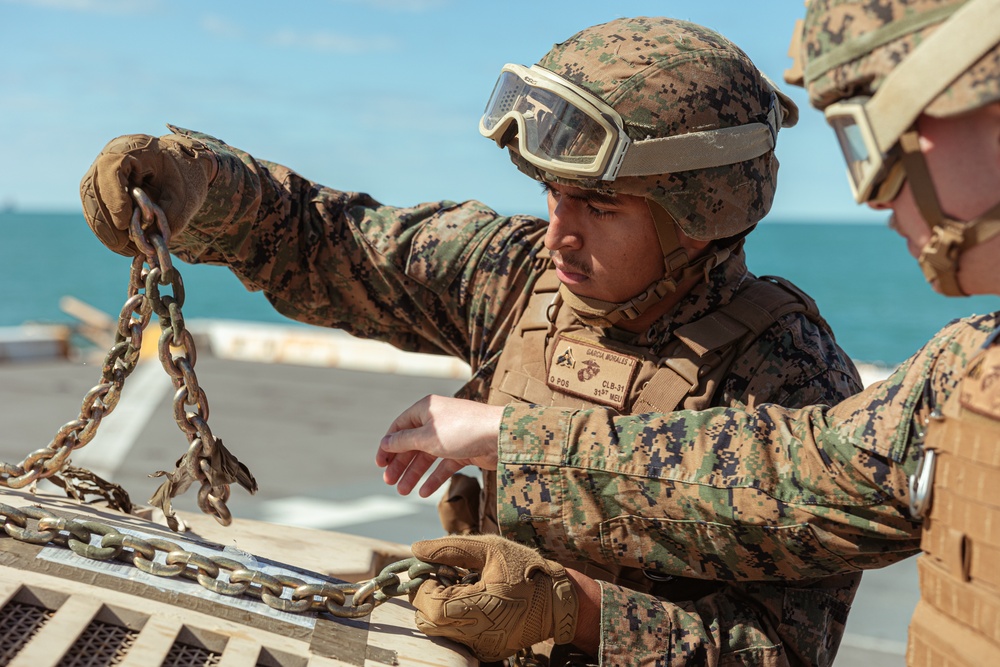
(771, 220)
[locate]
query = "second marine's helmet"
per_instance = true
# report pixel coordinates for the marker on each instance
(873, 67)
(655, 107)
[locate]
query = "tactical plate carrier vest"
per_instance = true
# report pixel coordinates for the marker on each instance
(552, 359)
(957, 621)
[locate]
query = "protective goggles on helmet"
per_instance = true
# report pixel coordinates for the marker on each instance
(869, 127)
(560, 129)
(869, 167)
(567, 131)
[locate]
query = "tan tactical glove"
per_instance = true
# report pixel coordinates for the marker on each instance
(173, 170)
(520, 599)
(458, 509)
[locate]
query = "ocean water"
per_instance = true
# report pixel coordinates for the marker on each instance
(867, 286)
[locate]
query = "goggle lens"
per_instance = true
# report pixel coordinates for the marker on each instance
(551, 129)
(856, 151)
(875, 178)
(507, 91)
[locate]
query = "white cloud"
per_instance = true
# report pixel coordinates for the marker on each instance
(91, 6)
(330, 42)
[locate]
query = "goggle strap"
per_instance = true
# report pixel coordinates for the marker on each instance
(941, 58)
(698, 150)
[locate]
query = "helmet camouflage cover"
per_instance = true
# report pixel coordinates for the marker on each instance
(850, 46)
(667, 77)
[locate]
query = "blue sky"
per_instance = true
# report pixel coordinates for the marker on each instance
(380, 96)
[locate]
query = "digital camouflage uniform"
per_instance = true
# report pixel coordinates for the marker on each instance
(769, 492)
(907, 60)
(759, 494)
(454, 278)
(447, 278)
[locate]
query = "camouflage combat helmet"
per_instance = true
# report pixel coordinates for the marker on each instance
(875, 66)
(848, 47)
(708, 117)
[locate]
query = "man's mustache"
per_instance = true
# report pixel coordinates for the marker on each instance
(571, 264)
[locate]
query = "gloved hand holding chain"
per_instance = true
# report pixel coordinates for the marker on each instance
(174, 170)
(519, 599)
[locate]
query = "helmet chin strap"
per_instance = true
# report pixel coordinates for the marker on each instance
(940, 257)
(677, 268)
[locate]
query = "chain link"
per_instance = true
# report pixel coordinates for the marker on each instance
(218, 573)
(206, 460)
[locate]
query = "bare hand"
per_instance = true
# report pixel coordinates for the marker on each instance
(457, 431)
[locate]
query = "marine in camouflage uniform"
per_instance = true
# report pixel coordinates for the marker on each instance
(773, 493)
(454, 278)
(765, 494)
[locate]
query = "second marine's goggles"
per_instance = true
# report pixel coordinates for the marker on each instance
(869, 127)
(567, 131)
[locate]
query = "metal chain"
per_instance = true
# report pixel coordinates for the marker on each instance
(220, 574)
(206, 459)
(99, 402)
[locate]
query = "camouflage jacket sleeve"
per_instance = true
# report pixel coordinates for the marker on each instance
(742, 623)
(768, 493)
(427, 278)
